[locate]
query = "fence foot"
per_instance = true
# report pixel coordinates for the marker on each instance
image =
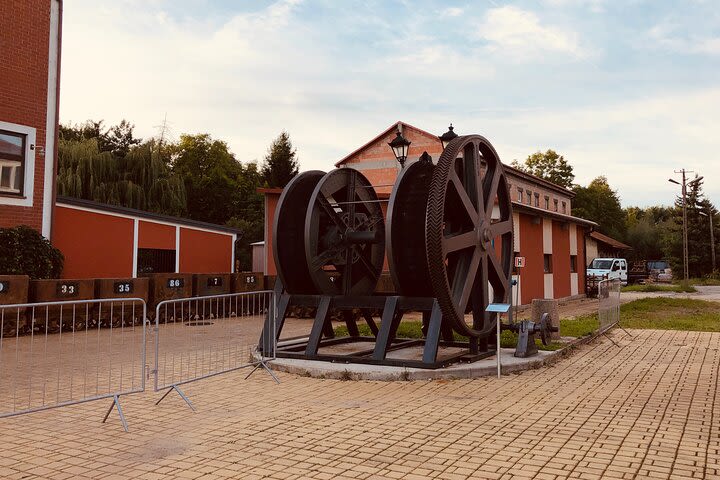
(116, 403)
(610, 338)
(626, 332)
(182, 395)
(261, 363)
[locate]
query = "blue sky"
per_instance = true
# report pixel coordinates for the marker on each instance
(629, 90)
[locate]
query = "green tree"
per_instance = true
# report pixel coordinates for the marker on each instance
(120, 138)
(117, 139)
(698, 226)
(142, 179)
(549, 166)
(646, 229)
(601, 204)
(210, 173)
(280, 164)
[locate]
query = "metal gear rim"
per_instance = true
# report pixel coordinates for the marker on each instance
(437, 244)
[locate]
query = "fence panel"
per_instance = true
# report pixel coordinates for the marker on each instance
(200, 337)
(60, 353)
(608, 303)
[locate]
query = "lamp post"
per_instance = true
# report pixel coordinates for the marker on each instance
(400, 147)
(684, 185)
(448, 136)
(712, 237)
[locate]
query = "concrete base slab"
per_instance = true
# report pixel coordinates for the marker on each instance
(355, 371)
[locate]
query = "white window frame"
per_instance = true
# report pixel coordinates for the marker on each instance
(26, 200)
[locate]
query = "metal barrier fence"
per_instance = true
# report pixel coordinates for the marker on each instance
(62, 353)
(205, 336)
(608, 303)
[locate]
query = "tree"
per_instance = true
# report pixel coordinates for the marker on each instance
(601, 204)
(120, 138)
(210, 173)
(698, 226)
(645, 231)
(549, 166)
(280, 164)
(117, 139)
(142, 179)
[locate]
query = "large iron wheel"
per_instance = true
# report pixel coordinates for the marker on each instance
(288, 233)
(406, 230)
(344, 234)
(469, 233)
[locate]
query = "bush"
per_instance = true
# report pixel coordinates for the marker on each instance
(25, 252)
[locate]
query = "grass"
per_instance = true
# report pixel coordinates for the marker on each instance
(660, 313)
(704, 281)
(671, 314)
(579, 326)
(413, 329)
(652, 287)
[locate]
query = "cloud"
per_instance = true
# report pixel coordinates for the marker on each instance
(596, 6)
(671, 36)
(635, 143)
(452, 12)
(518, 33)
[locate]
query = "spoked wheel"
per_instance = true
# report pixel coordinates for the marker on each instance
(344, 234)
(406, 230)
(289, 236)
(469, 233)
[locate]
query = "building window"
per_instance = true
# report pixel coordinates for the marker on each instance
(537, 199)
(564, 207)
(12, 163)
(529, 196)
(520, 195)
(547, 202)
(573, 263)
(155, 260)
(555, 201)
(547, 263)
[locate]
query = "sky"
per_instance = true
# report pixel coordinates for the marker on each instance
(629, 90)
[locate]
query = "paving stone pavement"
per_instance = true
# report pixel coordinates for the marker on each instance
(645, 409)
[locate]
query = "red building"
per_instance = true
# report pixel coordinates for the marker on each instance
(107, 241)
(30, 34)
(550, 239)
(97, 240)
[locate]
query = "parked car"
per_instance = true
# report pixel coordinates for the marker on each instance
(602, 268)
(659, 271)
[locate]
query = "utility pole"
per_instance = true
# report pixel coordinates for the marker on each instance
(684, 208)
(712, 239)
(709, 214)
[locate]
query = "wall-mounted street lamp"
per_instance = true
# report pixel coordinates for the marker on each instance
(448, 136)
(400, 147)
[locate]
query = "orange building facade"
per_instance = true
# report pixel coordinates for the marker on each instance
(103, 241)
(551, 241)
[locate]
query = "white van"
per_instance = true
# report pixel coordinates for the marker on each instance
(602, 268)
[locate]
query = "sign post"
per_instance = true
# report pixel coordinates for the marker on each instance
(498, 308)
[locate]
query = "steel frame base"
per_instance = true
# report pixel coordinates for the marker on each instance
(437, 333)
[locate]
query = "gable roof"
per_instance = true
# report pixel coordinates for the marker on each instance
(392, 127)
(610, 241)
(508, 167)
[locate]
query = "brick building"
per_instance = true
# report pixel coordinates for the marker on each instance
(30, 34)
(545, 233)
